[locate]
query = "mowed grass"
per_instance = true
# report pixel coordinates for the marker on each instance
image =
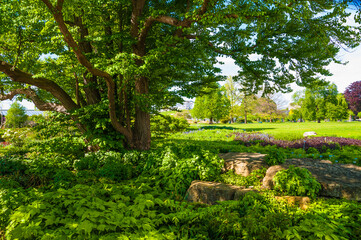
(291, 131)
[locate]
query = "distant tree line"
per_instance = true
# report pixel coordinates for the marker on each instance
(232, 102)
(324, 102)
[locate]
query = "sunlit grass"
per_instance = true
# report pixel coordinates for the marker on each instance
(292, 131)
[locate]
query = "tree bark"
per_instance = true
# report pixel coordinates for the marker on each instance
(141, 131)
(23, 77)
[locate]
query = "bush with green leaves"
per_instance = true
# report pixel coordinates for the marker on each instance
(180, 165)
(16, 116)
(165, 124)
(275, 156)
(296, 181)
(253, 179)
(100, 131)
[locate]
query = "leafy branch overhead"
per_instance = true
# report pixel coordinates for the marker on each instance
(136, 57)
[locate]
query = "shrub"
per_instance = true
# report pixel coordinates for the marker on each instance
(164, 124)
(63, 178)
(11, 165)
(296, 181)
(253, 179)
(275, 156)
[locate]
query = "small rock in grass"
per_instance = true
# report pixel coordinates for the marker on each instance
(307, 134)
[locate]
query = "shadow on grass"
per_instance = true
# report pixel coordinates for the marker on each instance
(211, 145)
(231, 128)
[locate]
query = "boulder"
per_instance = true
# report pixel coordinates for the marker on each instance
(307, 134)
(337, 180)
(211, 192)
(243, 163)
(301, 202)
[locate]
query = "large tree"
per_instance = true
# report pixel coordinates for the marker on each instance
(129, 58)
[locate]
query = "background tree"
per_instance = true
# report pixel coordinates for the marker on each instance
(314, 103)
(213, 104)
(116, 62)
(339, 110)
(248, 104)
(265, 108)
(234, 96)
(353, 96)
(16, 116)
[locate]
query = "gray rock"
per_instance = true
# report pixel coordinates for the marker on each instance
(337, 180)
(211, 192)
(307, 134)
(243, 163)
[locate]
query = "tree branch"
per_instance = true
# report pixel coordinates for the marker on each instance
(97, 72)
(23, 77)
(39, 103)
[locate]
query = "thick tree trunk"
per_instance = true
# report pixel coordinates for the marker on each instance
(141, 131)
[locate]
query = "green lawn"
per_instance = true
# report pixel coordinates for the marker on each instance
(295, 130)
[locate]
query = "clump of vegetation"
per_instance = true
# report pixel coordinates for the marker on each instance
(296, 181)
(275, 156)
(253, 179)
(166, 124)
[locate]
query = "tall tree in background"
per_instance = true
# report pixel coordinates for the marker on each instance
(353, 96)
(265, 108)
(315, 101)
(213, 104)
(338, 110)
(16, 116)
(234, 96)
(122, 60)
(248, 104)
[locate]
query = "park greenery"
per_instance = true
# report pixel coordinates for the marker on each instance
(51, 188)
(129, 59)
(106, 162)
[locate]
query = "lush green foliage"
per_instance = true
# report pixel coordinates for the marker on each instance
(16, 116)
(275, 156)
(253, 179)
(213, 104)
(165, 124)
(321, 102)
(296, 181)
(136, 57)
(47, 193)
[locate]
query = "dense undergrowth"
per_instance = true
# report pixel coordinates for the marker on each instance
(51, 189)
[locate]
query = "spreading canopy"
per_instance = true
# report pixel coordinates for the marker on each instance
(134, 57)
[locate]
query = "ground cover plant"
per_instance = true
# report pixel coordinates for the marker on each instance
(52, 193)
